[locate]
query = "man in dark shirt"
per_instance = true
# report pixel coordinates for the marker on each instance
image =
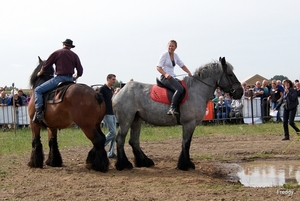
(109, 118)
(65, 62)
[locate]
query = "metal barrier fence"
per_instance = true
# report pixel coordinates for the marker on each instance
(11, 115)
(252, 113)
(256, 112)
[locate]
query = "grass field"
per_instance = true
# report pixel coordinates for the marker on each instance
(21, 141)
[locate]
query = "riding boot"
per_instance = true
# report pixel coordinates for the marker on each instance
(38, 115)
(173, 108)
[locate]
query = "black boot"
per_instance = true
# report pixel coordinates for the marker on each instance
(286, 137)
(38, 116)
(173, 108)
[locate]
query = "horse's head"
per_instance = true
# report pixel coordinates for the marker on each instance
(38, 80)
(228, 82)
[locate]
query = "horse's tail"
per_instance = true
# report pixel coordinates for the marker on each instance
(99, 98)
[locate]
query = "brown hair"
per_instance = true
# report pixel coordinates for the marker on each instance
(173, 41)
(290, 82)
(109, 76)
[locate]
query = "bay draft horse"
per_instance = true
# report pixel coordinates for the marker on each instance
(133, 104)
(81, 105)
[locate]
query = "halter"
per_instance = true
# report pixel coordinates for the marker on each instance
(229, 79)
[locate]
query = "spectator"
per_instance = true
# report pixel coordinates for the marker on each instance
(290, 103)
(23, 96)
(236, 112)
(249, 93)
(275, 97)
(297, 87)
(265, 102)
(227, 100)
(244, 85)
(258, 91)
(221, 108)
(4, 98)
(17, 99)
(280, 86)
(28, 98)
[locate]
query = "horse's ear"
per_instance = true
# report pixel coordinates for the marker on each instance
(40, 60)
(223, 61)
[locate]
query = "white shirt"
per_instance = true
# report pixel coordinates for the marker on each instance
(166, 63)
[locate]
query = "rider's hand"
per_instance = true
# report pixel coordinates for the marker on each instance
(39, 73)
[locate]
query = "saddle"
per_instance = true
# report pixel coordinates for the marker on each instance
(160, 93)
(57, 94)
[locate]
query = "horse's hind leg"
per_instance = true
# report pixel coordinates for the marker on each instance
(141, 160)
(97, 157)
(37, 155)
(54, 158)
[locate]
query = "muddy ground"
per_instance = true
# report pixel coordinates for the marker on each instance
(161, 182)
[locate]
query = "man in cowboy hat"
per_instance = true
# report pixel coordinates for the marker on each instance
(65, 62)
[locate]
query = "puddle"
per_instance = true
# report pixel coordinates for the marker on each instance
(268, 173)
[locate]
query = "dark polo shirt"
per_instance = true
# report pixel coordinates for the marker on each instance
(65, 61)
(107, 94)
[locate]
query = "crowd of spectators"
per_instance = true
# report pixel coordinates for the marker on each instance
(227, 110)
(15, 98)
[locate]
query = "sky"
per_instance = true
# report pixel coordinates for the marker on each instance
(126, 37)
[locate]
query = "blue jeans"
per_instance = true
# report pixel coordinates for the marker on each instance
(46, 86)
(110, 122)
(221, 115)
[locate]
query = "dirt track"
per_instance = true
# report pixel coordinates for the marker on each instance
(162, 182)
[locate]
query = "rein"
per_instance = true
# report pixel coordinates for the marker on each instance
(203, 81)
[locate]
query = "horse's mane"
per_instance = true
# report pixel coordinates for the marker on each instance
(34, 80)
(208, 70)
(34, 76)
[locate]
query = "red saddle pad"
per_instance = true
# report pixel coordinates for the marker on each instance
(160, 94)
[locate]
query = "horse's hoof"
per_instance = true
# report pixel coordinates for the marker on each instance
(144, 163)
(123, 166)
(186, 166)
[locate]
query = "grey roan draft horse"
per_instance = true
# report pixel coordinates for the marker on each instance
(133, 104)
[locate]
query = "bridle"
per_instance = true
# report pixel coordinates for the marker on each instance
(229, 79)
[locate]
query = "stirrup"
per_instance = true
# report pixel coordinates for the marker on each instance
(37, 118)
(172, 111)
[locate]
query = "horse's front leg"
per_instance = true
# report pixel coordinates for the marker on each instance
(97, 157)
(37, 154)
(54, 158)
(141, 160)
(184, 161)
(122, 160)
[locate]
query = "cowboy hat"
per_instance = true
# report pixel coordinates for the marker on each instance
(68, 42)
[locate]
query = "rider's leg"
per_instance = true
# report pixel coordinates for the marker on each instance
(178, 90)
(38, 94)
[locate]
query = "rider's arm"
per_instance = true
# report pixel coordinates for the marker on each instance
(186, 70)
(166, 75)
